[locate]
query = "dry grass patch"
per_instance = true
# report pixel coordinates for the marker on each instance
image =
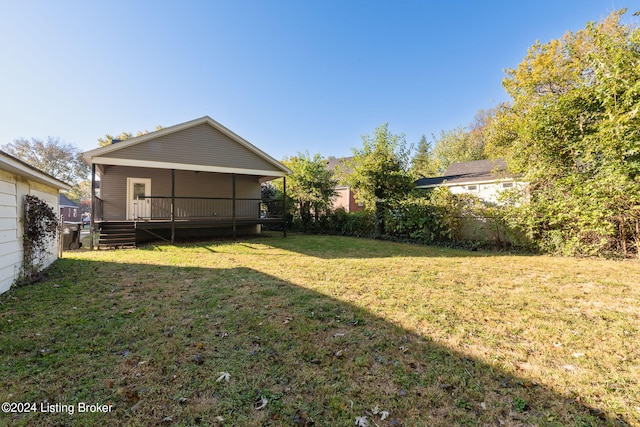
(316, 330)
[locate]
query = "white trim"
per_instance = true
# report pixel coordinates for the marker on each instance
(93, 155)
(12, 165)
(183, 166)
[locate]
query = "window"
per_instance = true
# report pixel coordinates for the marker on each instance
(472, 187)
(507, 185)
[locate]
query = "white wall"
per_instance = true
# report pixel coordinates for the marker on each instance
(13, 188)
(488, 191)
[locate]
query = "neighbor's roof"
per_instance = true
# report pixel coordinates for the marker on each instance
(17, 166)
(97, 155)
(468, 172)
(64, 201)
(343, 163)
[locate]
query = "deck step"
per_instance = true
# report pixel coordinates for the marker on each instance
(117, 235)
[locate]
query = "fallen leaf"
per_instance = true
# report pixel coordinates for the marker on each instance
(362, 422)
(219, 418)
(261, 404)
(223, 376)
(384, 415)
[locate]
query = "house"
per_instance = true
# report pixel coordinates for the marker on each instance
(69, 210)
(483, 178)
(344, 195)
(18, 179)
(193, 179)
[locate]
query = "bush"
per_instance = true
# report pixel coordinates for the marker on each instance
(40, 230)
(341, 222)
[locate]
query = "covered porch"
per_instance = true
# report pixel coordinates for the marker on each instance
(168, 213)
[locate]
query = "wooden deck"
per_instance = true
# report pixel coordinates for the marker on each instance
(129, 233)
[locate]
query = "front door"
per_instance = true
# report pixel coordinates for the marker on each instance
(138, 205)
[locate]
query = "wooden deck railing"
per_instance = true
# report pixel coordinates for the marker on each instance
(185, 208)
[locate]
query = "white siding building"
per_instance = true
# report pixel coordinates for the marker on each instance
(17, 179)
(483, 178)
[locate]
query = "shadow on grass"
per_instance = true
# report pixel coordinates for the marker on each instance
(336, 247)
(156, 342)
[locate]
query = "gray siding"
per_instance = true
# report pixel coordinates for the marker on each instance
(188, 184)
(199, 145)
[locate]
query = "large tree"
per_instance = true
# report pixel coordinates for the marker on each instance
(572, 132)
(378, 172)
(57, 158)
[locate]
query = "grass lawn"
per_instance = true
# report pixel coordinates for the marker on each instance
(318, 330)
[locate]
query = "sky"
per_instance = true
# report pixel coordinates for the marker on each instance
(289, 76)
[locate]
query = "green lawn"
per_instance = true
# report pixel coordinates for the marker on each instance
(317, 330)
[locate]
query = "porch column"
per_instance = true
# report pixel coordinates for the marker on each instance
(173, 206)
(93, 205)
(233, 208)
(284, 206)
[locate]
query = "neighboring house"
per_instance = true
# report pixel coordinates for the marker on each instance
(69, 210)
(483, 178)
(18, 179)
(195, 178)
(344, 195)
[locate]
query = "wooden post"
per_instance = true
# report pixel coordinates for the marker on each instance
(284, 206)
(93, 205)
(61, 237)
(173, 206)
(233, 208)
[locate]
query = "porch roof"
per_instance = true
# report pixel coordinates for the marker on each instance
(199, 145)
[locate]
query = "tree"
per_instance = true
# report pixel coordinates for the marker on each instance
(572, 132)
(59, 159)
(379, 172)
(80, 192)
(108, 139)
(423, 162)
(462, 144)
(457, 145)
(311, 186)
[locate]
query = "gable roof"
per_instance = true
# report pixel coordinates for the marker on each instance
(343, 163)
(190, 146)
(468, 172)
(17, 166)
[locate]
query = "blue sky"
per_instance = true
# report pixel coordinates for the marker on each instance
(289, 76)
